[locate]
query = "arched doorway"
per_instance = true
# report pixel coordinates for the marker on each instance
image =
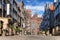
(1, 27)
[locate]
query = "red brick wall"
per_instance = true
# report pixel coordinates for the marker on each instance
(36, 21)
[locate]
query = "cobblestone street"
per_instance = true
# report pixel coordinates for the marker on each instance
(29, 38)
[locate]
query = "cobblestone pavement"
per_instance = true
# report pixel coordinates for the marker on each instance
(29, 38)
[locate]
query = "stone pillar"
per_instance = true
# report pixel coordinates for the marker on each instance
(14, 31)
(47, 32)
(25, 32)
(3, 33)
(50, 34)
(43, 32)
(9, 31)
(22, 31)
(4, 28)
(57, 29)
(53, 31)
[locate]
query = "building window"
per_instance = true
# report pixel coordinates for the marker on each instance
(11, 1)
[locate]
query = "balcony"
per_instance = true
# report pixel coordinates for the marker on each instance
(57, 22)
(14, 16)
(15, 7)
(18, 13)
(18, 19)
(46, 23)
(56, 5)
(21, 14)
(56, 12)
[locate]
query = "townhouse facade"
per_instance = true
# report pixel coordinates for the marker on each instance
(56, 17)
(28, 21)
(48, 19)
(9, 15)
(22, 17)
(35, 23)
(54, 20)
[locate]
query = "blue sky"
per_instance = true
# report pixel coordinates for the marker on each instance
(36, 6)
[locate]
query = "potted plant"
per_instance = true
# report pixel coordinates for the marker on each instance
(17, 30)
(11, 27)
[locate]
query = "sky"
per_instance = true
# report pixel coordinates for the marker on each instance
(36, 6)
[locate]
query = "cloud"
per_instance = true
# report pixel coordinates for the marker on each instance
(40, 15)
(28, 1)
(49, 2)
(38, 6)
(35, 7)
